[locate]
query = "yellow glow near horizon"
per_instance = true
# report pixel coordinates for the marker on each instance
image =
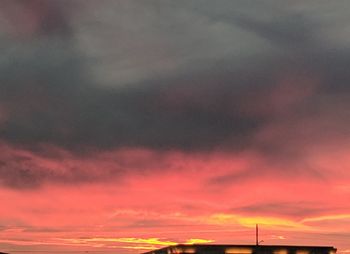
(145, 243)
(155, 241)
(139, 247)
(228, 219)
(198, 241)
(267, 221)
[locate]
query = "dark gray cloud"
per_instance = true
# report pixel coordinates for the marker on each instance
(169, 76)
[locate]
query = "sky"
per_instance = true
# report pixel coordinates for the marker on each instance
(132, 125)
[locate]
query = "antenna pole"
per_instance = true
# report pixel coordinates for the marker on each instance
(257, 234)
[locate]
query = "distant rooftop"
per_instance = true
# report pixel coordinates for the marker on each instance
(243, 249)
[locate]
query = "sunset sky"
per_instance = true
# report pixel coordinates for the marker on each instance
(132, 125)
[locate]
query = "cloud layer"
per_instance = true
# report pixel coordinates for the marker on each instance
(235, 111)
(238, 80)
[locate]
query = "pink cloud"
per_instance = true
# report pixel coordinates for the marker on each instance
(174, 199)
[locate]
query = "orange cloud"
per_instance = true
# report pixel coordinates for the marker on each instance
(327, 217)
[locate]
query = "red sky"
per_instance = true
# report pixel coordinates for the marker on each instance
(212, 197)
(126, 127)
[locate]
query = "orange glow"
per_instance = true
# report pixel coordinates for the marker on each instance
(280, 251)
(238, 251)
(302, 252)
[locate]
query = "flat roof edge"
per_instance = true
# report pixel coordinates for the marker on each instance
(242, 245)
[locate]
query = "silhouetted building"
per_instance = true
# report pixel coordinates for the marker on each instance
(243, 249)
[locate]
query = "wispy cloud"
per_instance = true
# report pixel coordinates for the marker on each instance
(327, 217)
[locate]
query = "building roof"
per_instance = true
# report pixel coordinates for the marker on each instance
(243, 249)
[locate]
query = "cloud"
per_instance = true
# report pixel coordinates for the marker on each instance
(57, 102)
(38, 18)
(297, 209)
(23, 169)
(80, 87)
(328, 217)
